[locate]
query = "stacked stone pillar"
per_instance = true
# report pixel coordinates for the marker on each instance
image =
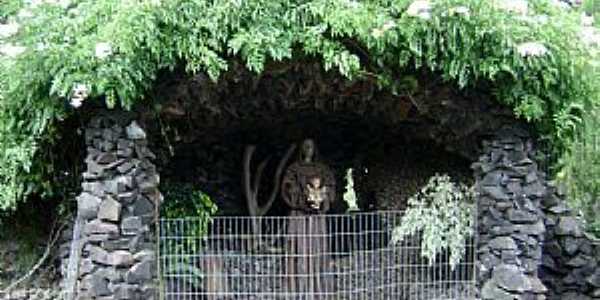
(117, 208)
(571, 261)
(510, 222)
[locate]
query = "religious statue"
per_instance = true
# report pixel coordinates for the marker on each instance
(308, 188)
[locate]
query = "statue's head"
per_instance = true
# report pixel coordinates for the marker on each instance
(307, 150)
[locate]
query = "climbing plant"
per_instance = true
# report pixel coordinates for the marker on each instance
(112, 51)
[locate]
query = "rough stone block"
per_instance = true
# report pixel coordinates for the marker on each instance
(86, 266)
(579, 261)
(135, 132)
(145, 255)
(125, 167)
(109, 210)
(125, 291)
(570, 245)
(95, 188)
(537, 287)
(94, 168)
(574, 296)
(126, 152)
(510, 278)
(532, 229)
(594, 279)
(131, 225)
(120, 258)
(553, 248)
(111, 186)
(140, 272)
(110, 135)
(521, 216)
(551, 200)
(569, 226)
(98, 227)
(496, 193)
(142, 206)
(110, 273)
(147, 184)
(559, 209)
(127, 197)
(149, 292)
(117, 244)
(535, 189)
(98, 255)
(97, 237)
(87, 205)
(96, 285)
(549, 263)
(491, 291)
(502, 243)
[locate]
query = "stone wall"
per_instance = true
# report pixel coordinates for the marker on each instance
(116, 210)
(510, 221)
(571, 259)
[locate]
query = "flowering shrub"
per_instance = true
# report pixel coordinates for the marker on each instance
(443, 212)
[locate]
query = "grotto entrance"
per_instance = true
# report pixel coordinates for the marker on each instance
(393, 144)
(240, 262)
(388, 166)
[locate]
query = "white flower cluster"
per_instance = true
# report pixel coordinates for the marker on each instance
(63, 3)
(520, 7)
(155, 2)
(590, 36)
(8, 30)
(586, 20)
(420, 9)
(352, 4)
(460, 10)
(79, 94)
(7, 49)
(11, 50)
(560, 4)
(378, 32)
(103, 50)
(531, 49)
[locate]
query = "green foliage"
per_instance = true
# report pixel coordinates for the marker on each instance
(190, 211)
(185, 201)
(116, 48)
(581, 172)
(442, 212)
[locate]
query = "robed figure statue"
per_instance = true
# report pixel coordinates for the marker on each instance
(308, 188)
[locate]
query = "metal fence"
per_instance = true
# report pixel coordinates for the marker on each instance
(346, 256)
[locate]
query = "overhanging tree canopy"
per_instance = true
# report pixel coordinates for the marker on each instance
(530, 52)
